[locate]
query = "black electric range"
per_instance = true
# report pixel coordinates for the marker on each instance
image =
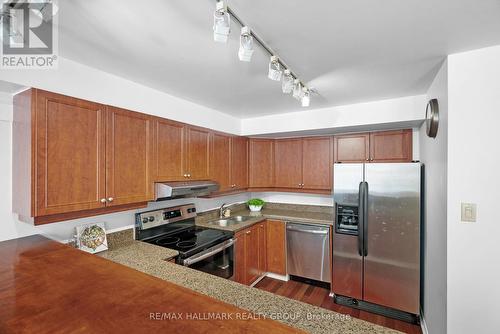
(206, 249)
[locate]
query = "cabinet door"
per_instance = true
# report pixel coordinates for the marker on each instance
(262, 248)
(70, 154)
(288, 163)
(317, 163)
(170, 150)
(221, 161)
(129, 158)
(275, 245)
(252, 254)
(239, 163)
(261, 163)
(198, 153)
(352, 148)
(391, 146)
(239, 258)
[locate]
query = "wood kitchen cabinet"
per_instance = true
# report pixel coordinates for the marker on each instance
(198, 153)
(304, 163)
(68, 152)
(250, 254)
(170, 150)
(77, 158)
(317, 163)
(391, 146)
(352, 147)
(182, 151)
(129, 157)
(262, 246)
(288, 163)
(261, 163)
(229, 162)
(381, 146)
(276, 247)
(239, 162)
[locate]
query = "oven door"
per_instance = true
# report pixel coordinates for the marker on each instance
(216, 260)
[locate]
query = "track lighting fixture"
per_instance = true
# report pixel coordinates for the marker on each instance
(287, 82)
(246, 44)
(222, 23)
(274, 69)
(278, 69)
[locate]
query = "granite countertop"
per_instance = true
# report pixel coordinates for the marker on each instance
(150, 259)
(323, 218)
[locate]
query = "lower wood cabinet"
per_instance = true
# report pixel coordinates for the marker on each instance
(276, 247)
(250, 253)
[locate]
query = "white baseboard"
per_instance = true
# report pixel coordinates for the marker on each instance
(278, 277)
(423, 324)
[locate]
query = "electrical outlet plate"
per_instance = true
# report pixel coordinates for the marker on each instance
(469, 211)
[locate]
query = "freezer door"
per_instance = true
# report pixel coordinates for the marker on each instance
(392, 246)
(347, 262)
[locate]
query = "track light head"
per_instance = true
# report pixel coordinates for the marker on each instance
(274, 69)
(246, 44)
(222, 22)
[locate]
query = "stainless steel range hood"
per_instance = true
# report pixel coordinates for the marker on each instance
(171, 190)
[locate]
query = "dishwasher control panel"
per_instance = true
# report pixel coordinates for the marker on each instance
(347, 219)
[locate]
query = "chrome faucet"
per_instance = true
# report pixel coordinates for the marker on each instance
(221, 210)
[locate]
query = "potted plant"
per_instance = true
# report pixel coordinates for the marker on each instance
(255, 204)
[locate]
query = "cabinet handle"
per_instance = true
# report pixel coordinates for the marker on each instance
(110, 199)
(368, 159)
(189, 175)
(103, 200)
(248, 232)
(185, 175)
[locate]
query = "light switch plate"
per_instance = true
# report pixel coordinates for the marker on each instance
(469, 211)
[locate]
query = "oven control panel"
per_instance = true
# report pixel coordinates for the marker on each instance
(149, 219)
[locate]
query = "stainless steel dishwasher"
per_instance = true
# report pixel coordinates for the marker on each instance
(308, 251)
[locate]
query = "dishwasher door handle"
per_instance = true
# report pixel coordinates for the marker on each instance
(322, 232)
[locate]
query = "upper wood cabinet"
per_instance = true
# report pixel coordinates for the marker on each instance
(69, 152)
(303, 163)
(261, 163)
(288, 163)
(221, 161)
(182, 151)
(317, 163)
(76, 158)
(198, 154)
(129, 157)
(352, 147)
(229, 162)
(170, 150)
(383, 146)
(391, 146)
(239, 162)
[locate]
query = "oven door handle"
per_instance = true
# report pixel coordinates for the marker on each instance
(207, 253)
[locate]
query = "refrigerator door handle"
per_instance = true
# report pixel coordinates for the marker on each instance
(364, 209)
(361, 219)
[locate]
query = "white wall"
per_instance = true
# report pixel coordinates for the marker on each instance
(75, 79)
(433, 153)
(473, 164)
(362, 116)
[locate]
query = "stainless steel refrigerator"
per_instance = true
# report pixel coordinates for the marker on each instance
(376, 240)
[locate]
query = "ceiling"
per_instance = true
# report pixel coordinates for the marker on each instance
(350, 51)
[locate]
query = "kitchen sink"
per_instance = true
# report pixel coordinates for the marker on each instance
(230, 221)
